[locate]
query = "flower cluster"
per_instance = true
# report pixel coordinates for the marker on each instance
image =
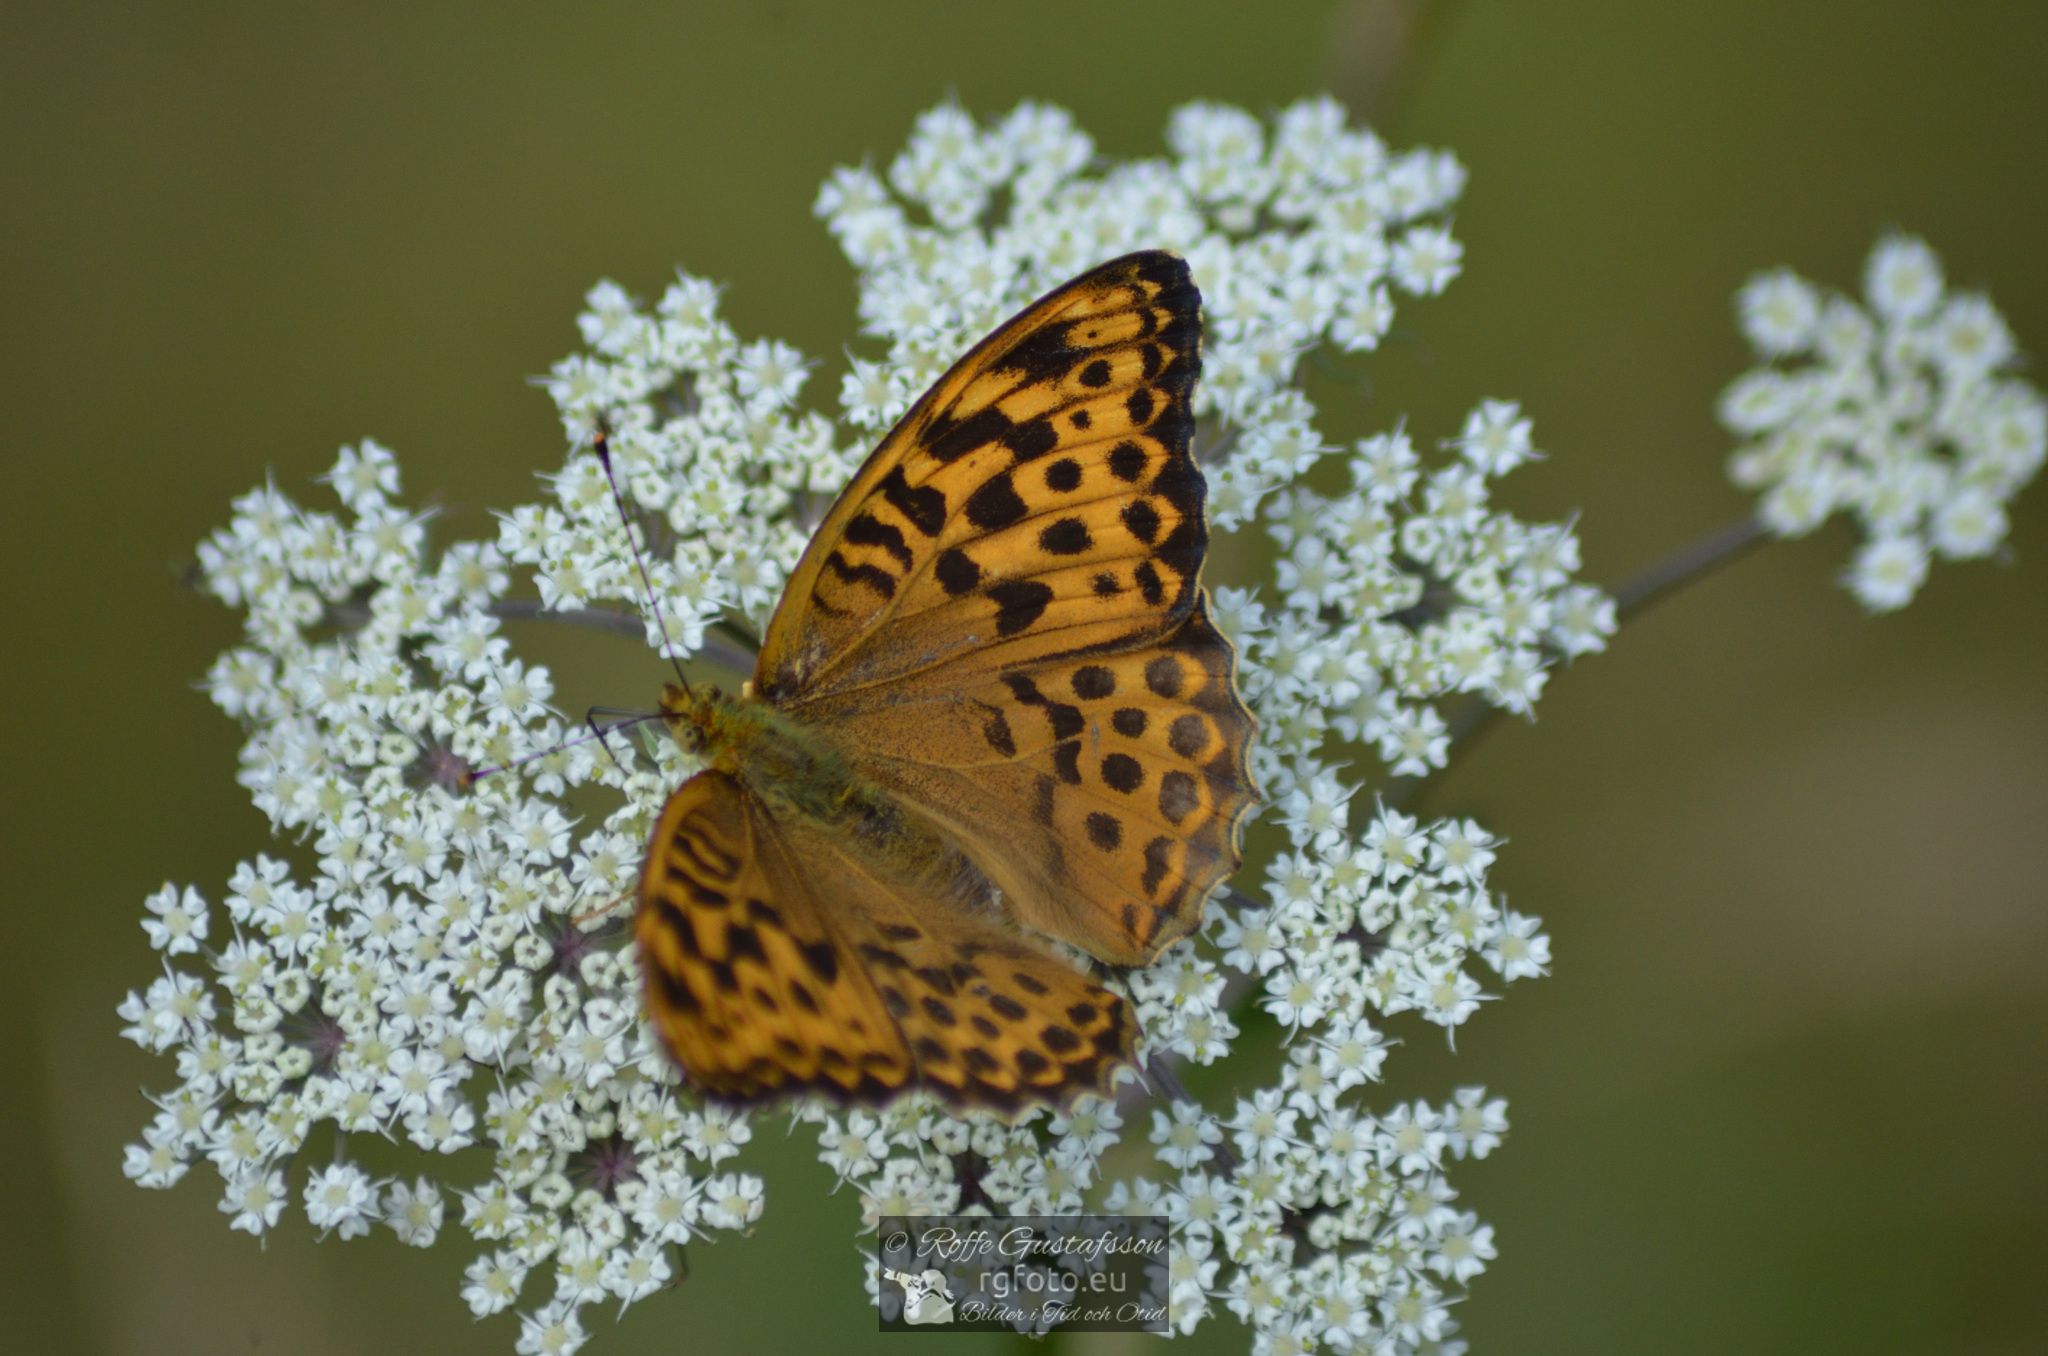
(448, 969)
(1901, 412)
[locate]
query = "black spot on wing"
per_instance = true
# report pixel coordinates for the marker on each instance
(923, 506)
(956, 571)
(867, 530)
(1092, 682)
(1158, 861)
(1127, 462)
(1142, 520)
(823, 960)
(1041, 799)
(1177, 796)
(1123, 772)
(1104, 830)
(1067, 721)
(1033, 439)
(995, 504)
(1043, 354)
(743, 943)
(1067, 537)
(978, 1060)
(677, 993)
(1019, 604)
(1149, 586)
(876, 578)
(948, 441)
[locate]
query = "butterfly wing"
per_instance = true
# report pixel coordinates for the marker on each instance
(747, 983)
(1000, 619)
(1040, 496)
(777, 961)
(1103, 793)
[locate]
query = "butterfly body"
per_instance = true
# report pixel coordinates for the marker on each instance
(990, 715)
(797, 773)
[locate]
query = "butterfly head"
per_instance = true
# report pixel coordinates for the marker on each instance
(691, 713)
(707, 722)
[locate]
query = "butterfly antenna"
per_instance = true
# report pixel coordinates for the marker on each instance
(603, 444)
(597, 732)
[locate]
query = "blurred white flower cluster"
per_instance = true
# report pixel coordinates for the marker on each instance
(440, 964)
(1901, 412)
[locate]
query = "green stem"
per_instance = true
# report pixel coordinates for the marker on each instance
(1659, 580)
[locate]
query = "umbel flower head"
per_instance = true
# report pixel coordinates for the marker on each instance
(1901, 412)
(435, 962)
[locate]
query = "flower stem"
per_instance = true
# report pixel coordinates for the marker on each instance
(726, 645)
(1689, 562)
(1660, 579)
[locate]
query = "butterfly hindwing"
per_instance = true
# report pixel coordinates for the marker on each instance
(747, 982)
(778, 960)
(1104, 794)
(1041, 497)
(991, 1019)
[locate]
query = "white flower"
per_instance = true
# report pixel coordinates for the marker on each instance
(180, 923)
(1888, 572)
(1903, 278)
(255, 1197)
(1905, 417)
(413, 1212)
(341, 1198)
(1780, 311)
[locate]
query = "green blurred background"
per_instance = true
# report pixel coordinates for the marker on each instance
(1785, 1090)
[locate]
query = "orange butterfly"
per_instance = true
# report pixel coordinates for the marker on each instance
(990, 709)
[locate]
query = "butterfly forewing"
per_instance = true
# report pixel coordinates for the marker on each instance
(1041, 497)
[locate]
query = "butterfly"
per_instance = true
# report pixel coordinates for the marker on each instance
(990, 712)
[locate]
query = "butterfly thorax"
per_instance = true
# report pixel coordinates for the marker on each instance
(796, 769)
